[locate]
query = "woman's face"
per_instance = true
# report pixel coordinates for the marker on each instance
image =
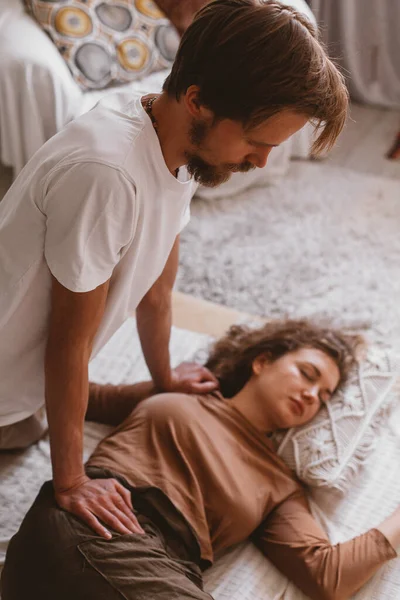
(293, 388)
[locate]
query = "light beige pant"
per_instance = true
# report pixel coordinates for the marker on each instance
(24, 433)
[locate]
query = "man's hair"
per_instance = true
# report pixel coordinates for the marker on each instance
(254, 58)
(231, 359)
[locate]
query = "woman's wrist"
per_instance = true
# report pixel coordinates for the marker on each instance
(390, 528)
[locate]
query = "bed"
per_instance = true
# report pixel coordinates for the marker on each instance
(38, 96)
(242, 573)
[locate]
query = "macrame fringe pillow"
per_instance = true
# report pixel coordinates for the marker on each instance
(329, 451)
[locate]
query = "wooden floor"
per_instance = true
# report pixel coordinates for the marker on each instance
(362, 147)
(202, 316)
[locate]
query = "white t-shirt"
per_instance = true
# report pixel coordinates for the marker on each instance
(97, 201)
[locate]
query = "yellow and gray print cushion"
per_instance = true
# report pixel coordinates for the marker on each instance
(108, 43)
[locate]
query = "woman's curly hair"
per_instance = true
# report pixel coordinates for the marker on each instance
(231, 358)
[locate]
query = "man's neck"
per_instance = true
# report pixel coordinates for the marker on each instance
(171, 127)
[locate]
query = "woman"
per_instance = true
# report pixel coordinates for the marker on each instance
(202, 474)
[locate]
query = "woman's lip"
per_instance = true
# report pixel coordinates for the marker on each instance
(297, 406)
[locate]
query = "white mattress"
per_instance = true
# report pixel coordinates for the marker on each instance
(241, 573)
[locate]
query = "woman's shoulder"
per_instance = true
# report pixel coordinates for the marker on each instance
(168, 405)
(168, 401)
(176, 397)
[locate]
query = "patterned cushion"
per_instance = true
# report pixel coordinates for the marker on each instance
(329, 451)
(108, 42)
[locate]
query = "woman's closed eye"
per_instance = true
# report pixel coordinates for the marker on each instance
(308, 375)
(312, 377)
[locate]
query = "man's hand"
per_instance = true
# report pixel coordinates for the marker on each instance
(107, 500)
(191, 378)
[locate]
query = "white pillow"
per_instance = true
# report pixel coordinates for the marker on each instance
(329, 451)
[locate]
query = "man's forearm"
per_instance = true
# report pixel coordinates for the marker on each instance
(154, 328)
(66, 375)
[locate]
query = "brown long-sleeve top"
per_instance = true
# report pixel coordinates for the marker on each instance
(226, 479)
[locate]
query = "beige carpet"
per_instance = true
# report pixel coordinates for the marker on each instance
(324, 242)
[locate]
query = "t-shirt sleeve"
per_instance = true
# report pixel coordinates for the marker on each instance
(294, 542)
(90, 218)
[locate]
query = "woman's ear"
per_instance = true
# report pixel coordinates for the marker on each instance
(259, 362)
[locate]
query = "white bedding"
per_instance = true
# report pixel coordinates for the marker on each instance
(242, 573)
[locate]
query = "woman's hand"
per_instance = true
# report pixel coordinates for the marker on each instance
(95, 500)
(192, 378)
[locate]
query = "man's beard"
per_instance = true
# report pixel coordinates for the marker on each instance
(204, 172)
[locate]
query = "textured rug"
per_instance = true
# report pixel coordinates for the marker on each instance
(325, 242)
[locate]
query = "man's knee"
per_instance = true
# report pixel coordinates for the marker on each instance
(43, 557)
(24, 433)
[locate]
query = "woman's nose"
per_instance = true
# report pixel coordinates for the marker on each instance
(310, 395)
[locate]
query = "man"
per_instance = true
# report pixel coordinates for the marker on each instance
(89, 231)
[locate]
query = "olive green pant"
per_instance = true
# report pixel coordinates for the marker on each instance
(55, 556)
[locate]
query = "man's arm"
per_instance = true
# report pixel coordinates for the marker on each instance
(74, 321)
(154, 319)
